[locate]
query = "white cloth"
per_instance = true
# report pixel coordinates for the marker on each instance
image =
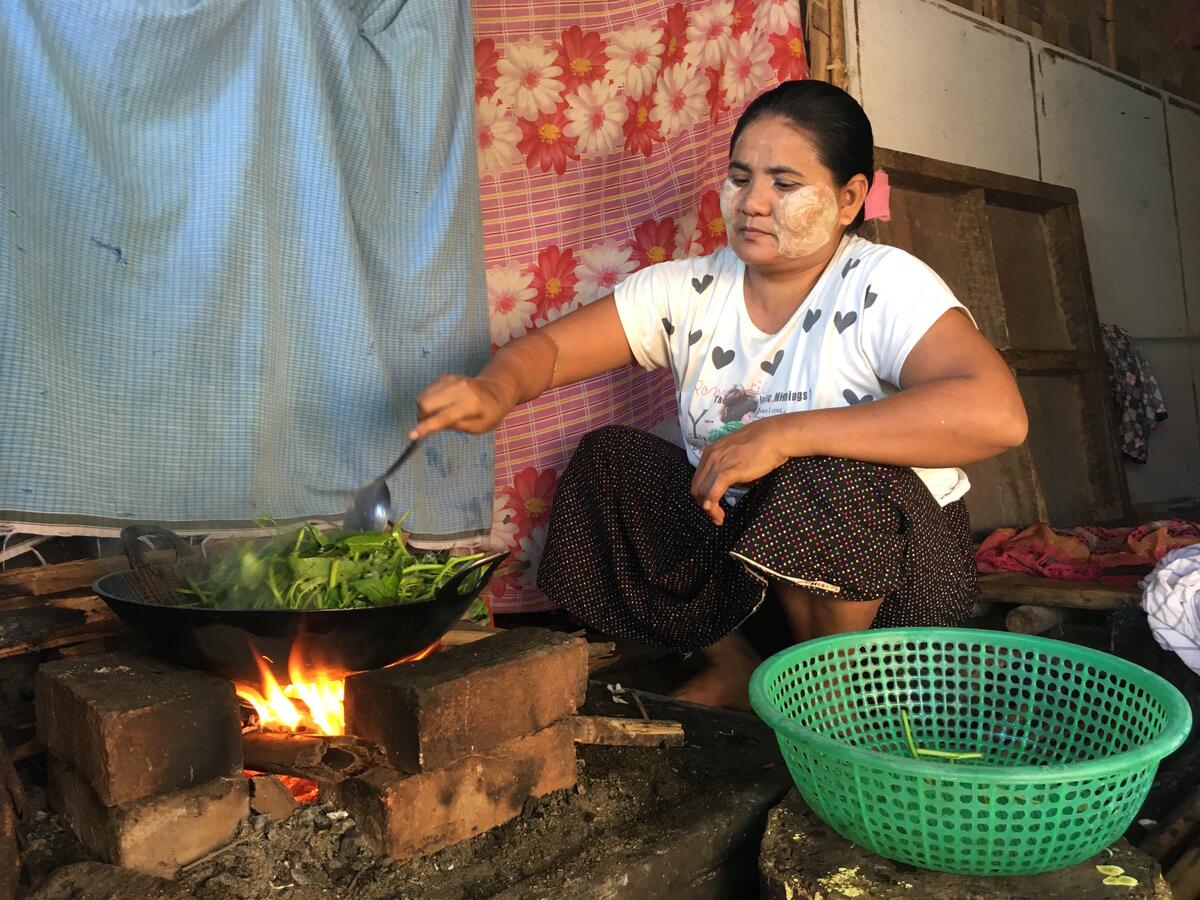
(1171, 599)
(846, 344)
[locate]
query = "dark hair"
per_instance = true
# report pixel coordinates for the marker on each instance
(833, 120)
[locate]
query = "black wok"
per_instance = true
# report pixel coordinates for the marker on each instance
(220, 641)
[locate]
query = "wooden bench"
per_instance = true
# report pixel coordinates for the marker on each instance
(1040, 604)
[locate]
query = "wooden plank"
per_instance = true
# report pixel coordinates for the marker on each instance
(1067, 258)
(1005, 491)
(923, 173)
(617, 732)
(1184, 876)
(837, 44)
(84, 600)
(467, 633)
(42, 628)
(42, 581)
(1032, 590)
(818, 47)
(1035, 318)
(1110, 491)
(1013, 251)
(948, 230)
(1052, 361)
(1102, 414)
(1077, 471)
(1173, 828)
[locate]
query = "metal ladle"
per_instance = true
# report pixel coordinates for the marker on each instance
(372, 504)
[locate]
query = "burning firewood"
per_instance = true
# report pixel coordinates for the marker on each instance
(321, 758)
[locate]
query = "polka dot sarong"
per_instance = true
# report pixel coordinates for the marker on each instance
(630, 554)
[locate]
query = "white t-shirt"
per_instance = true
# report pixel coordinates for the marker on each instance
(846, 344)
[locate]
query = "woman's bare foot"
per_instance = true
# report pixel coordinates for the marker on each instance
(725, 679)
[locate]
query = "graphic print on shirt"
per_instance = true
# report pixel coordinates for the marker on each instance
(726, 409)
(737, 409)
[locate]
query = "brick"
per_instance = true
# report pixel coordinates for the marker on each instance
(134, 725)
(270, 796)
(155, 835)
(403, 816)
(99, 881)
(427, 714)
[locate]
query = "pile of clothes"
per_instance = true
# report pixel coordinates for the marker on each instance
(1163, 558)
(1088, 553)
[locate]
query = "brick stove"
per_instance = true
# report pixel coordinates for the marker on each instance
(146, 760)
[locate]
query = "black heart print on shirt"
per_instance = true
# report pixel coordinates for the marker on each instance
(853, 398)
(695, 336)
(810, 319)
(849, 265)
(701, 285)
(771, 367)
(841, 323)
(870, 299)
(722, 358)
(668, 327)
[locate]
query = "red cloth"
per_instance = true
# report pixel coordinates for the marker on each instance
(1088, 553)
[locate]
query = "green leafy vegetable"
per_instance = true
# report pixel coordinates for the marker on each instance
(312, 570)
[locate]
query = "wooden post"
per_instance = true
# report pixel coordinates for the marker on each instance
(1110, 31)
(837, 44)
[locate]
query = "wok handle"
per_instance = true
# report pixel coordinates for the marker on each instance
(130, 540)
(487, 563)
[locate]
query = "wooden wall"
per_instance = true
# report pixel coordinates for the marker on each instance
(1135, 44)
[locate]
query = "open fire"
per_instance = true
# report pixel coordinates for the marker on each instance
(313, 701)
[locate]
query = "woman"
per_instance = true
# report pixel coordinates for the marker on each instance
(828, 389)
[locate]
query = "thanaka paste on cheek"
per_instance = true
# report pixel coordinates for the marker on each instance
(728, 207)
(804, 220)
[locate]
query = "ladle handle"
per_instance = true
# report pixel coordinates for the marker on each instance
(399, 462)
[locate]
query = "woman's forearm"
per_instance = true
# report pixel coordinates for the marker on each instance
(523, 369)
(589, 341)
(948, 422)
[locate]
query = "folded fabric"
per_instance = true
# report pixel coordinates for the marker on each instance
(1087, 553)
(1171, 599)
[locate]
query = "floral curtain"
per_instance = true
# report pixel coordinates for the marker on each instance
(603, 132)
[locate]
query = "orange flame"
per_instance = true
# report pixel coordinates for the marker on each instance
(321, 695)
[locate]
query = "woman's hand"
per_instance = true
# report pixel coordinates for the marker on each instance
(460, 403)
(741, 457)
(584, 343)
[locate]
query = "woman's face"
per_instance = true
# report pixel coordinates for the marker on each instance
(779, 202)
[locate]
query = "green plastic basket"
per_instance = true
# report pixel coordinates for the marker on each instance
(1069, 740)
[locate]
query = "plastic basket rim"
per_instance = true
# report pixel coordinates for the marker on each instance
(1177, 709)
